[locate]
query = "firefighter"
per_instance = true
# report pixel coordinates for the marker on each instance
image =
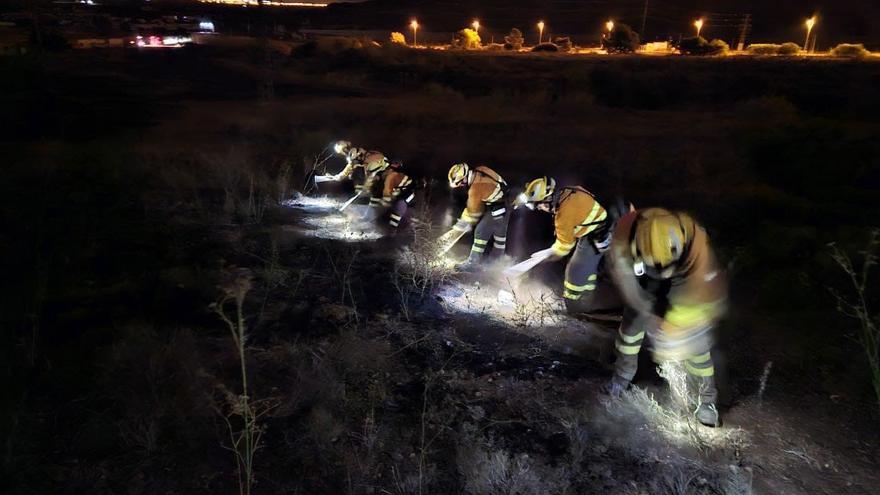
(674, 293)
(582, 225)
(392, 191)
(487, 193)
(356, 161)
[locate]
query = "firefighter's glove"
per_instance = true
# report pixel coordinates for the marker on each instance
(462, 226)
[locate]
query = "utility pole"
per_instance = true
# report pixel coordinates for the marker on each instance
(746, 25)
(644, 20)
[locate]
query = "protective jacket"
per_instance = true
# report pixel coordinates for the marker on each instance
(487, 189)
(577, 214)
(358, 157)
(387, 186)
(691, 298)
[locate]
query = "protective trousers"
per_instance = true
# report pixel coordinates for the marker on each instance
(401, 206)
(581, 273)
(492, 227)
(358, 178)
(698, 363)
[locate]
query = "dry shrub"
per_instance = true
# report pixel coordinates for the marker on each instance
(546, 47)
(419, 269)
(486, 470)
(466, 39)
(514, 40)
(850, 50)
(764, 49)
(789, 49)
(398, 38)
(651, 428)
(856, 302)
(621, 40)
(698, 45)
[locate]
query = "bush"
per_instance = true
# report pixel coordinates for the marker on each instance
(693, 46)
(622, 40)
(764, 49)
(789, 49)
(546, 47)
(514, 40)
(466, 39)
(699, 46)
(398, 38)
(564, 43)
(330, 46)
(718, 47)
(850, 50)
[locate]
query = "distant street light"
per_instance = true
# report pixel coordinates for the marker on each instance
(699, 25)
(476, 26)
(609, 26)
(810, 23)
(540, 32)
(415, 27)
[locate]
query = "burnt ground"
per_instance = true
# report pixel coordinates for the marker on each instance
(137, 182)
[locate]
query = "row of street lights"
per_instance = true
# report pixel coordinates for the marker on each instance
(698, 24)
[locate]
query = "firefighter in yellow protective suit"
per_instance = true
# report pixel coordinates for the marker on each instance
(582, 226)
(357, 160)
(392, 191)
(674, 293)
(487, 193)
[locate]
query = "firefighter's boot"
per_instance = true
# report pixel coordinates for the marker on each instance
(615, 387)
(707, 414)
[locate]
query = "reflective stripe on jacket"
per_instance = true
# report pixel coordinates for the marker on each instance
(696, 294)
(578, 214)
(487, 188)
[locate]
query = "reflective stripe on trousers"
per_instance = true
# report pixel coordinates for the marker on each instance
(581, 273)
(630, 337)
(491, 227)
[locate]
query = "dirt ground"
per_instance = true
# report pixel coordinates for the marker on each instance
(139, 184)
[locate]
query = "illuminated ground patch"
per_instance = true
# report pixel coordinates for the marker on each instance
(309, 203)
(340, 227)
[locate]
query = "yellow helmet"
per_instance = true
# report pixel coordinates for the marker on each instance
(538, 191)
(342, 147)
(375, 162)
(458, 175)
(660, 238)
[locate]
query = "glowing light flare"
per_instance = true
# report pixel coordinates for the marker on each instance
(414, 25)
(699, 25)
(609, 25)
(540, 32)
(476, 25)
(809, 23)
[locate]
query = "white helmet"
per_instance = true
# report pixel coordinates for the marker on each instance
(342, 147)
(459, 175)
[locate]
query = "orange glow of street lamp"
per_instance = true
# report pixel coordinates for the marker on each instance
(609, 25)
(809, 23)
(699, 25)
(540, 31)
(415, 28)
(476, 25)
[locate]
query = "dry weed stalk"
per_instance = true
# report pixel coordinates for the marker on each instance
(244, 413)
(856, 306)
(343, 270)
(419, 269)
